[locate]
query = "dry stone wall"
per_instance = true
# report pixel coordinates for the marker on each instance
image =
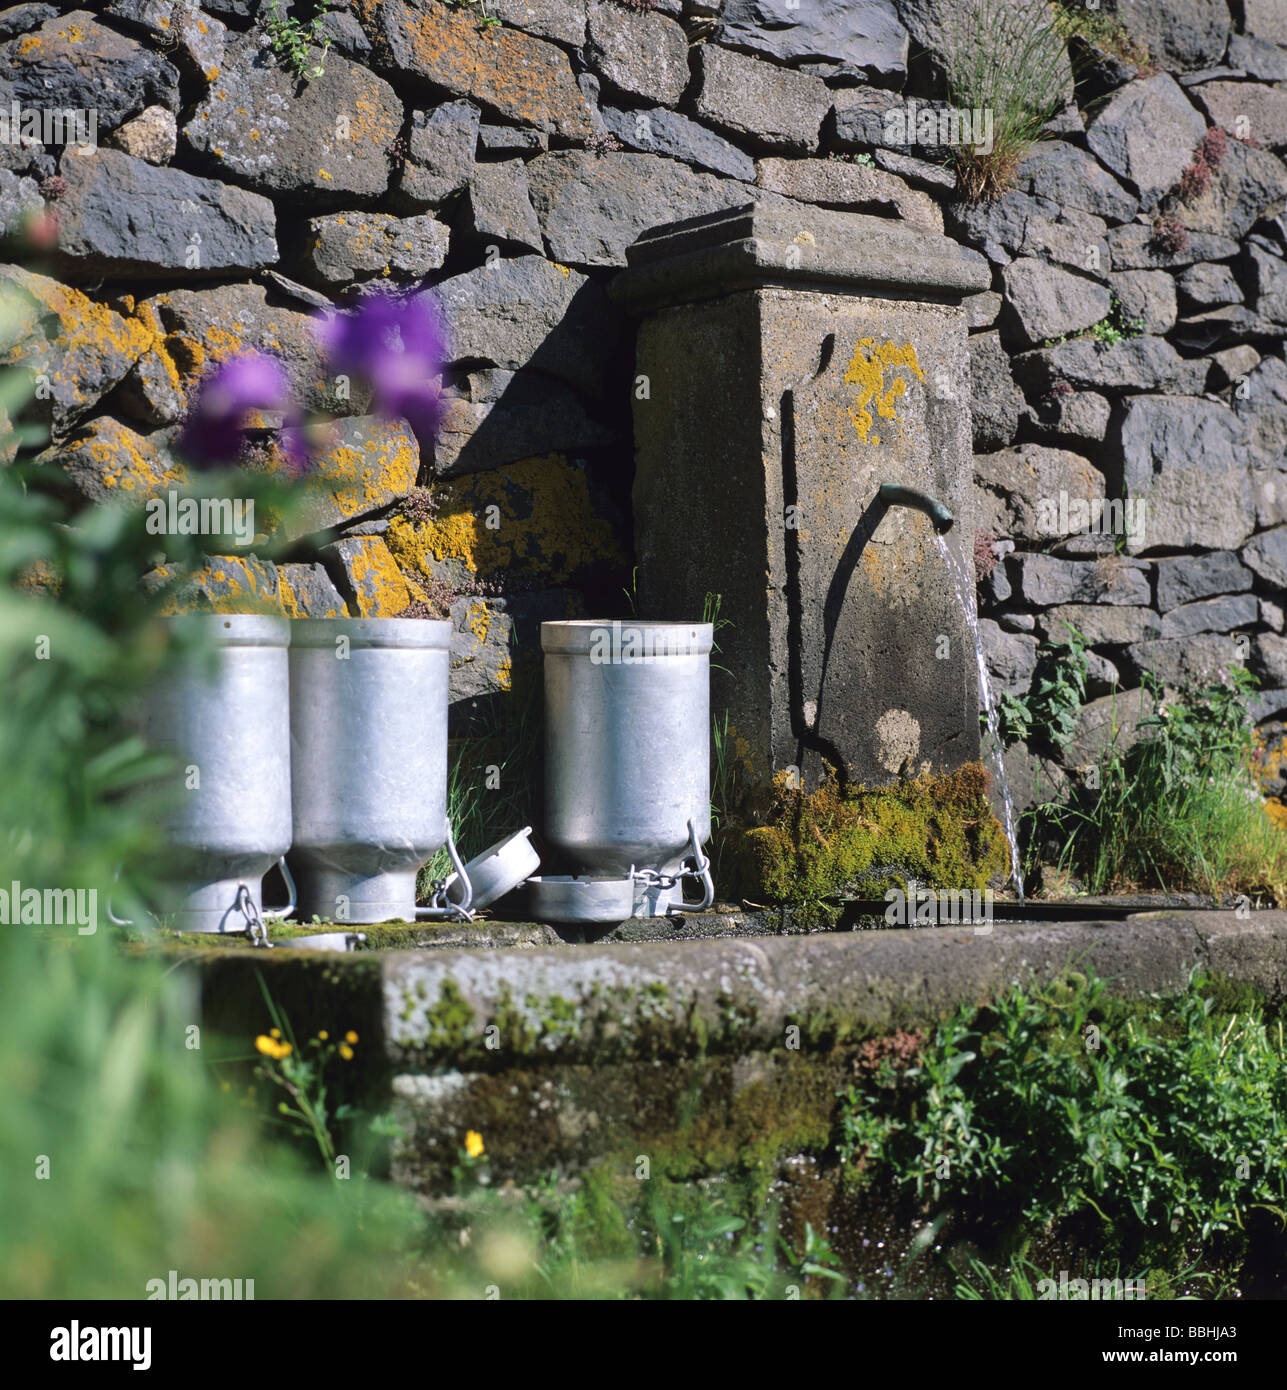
(1130, 347)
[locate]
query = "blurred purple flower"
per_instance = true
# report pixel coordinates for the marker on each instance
(399, 347)
(215, 429)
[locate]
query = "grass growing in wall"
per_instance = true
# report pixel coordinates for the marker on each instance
(1181, 808)
(493, 778)
(1006, 58)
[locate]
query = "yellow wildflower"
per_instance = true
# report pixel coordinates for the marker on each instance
(473, 1143)
(346, 1052)
(350, 1036)
(323, 1035)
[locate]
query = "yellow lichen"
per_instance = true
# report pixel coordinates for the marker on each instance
(534, 517)
(867, 372)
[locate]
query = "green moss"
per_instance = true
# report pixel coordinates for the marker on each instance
(937, 829)
(449, 1024)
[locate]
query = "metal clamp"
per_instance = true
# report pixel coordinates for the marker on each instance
(279, 914)
(701, 871)
(441, 908)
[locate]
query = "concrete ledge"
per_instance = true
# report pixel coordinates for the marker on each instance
(713, 1056)
(487, 1009)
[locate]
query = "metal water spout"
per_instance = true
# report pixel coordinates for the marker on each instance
(896, 495)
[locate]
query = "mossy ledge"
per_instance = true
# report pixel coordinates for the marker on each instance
(937, 829)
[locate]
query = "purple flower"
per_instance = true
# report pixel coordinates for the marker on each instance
(398, 346)
(215, 429)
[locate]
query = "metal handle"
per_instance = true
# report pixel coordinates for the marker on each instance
(279, 914)
(701, 870)
(441, 908)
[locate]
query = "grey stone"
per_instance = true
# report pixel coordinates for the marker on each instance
(72, 62)
(498, 417)
(1250, 184)
(1017, 490)
(1147, 298)
(1101, 675)
(1221, 614)
(348, 246)
(639, 53)
(499, 207)
(306, 591)
(1232, 364)
(1080, 416)
(717, 441)
(562, 21)
(518, 77)
(1266, 279)
(1258, 58)
(1045, 301)
(526, 312)
(346, 35)
(866, 33)
(1102, 625)
(849, 188)
(1189, 578)
(771, 107)
(84, 349)
(1177, 660)
(190, 38)
(1107, 723)
(946, 31)
(121, 216)
(1133, 364)
(1017, 622)
(323, 143)
(21, 19)
(440, 154)
(1017, 224)
(1208, 284)
(1046, 580)
(785, 242)
(1272, 615)
(20, 201)
(204, 327)
(1265, 19)
(591, 207)
(1072, 178)
(1178, 33)
(152, 135)
(1134, 247)
(1267, 555)
(1188, 459)
(1216, 327)
(1264, 409)
(858, 119)
(920, 173)
(149, 394)
(1269, 660)
(1011, 657)
(105, 461)
(658, 131)
(996, 589)
(1247, 109)
(1146, 135)
(981, 310)
(995, 401)
(508, 139)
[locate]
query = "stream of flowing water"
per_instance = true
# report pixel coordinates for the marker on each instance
(964, 585)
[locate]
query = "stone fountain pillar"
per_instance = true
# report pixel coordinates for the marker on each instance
(789, 362)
